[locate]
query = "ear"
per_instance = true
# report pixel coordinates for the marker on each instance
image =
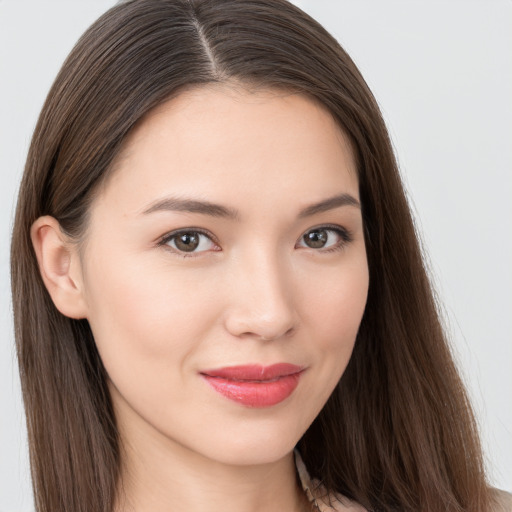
(60, 267)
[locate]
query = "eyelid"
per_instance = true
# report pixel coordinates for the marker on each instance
(163, 240)
(343, 232)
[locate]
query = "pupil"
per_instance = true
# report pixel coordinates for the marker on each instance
(187, 242)
(316, 239)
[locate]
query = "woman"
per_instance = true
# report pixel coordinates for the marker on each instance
(214, 264)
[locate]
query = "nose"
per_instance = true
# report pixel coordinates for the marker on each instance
(261, 300)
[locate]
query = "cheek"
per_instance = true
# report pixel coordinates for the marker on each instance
(331, 317)
(334, 315)
(336, 307)
(149, 327)
(146, 315)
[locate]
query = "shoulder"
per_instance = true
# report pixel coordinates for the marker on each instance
(329, 502)
(334, 502)
(325, 501)
(502, 501)
(317, 494)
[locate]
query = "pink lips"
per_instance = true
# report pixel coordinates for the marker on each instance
(255, 385)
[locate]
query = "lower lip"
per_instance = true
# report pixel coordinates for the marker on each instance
(255, 393)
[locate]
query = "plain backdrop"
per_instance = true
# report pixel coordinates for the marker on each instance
(442, 73)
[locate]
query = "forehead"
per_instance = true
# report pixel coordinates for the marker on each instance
(219, 139)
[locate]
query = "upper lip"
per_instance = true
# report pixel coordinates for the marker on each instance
(254, 372)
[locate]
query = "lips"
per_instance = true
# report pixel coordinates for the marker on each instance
(255, 385)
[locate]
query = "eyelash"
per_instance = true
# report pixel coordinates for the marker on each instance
(344, 234)
(174, 234)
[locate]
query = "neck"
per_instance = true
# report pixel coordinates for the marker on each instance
(160, 475)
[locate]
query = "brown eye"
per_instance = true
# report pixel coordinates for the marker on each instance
(316, 239)
(187, 242)
(325, 237)
(190, 241)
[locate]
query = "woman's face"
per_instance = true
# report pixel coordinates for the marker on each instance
(229, 234)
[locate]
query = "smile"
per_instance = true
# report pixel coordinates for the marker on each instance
(255, 385)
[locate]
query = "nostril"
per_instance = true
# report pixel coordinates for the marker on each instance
(271, 338)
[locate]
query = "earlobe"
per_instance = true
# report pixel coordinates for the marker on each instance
(60, 267)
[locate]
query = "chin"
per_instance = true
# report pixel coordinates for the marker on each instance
(251, 454)
(254, 445)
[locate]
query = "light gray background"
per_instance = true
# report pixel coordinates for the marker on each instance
(442, 73)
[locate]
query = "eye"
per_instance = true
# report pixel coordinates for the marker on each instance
(325, 237)
(189, 241)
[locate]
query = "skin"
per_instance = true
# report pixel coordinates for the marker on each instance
(252, 292)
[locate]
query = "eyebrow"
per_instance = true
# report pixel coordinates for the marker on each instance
(192, 206)
(330, 204)
(217, 210)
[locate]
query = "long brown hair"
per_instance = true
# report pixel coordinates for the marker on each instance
(398, 432)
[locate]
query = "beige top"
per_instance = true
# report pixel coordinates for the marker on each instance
(335, 502)
(318, 495)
